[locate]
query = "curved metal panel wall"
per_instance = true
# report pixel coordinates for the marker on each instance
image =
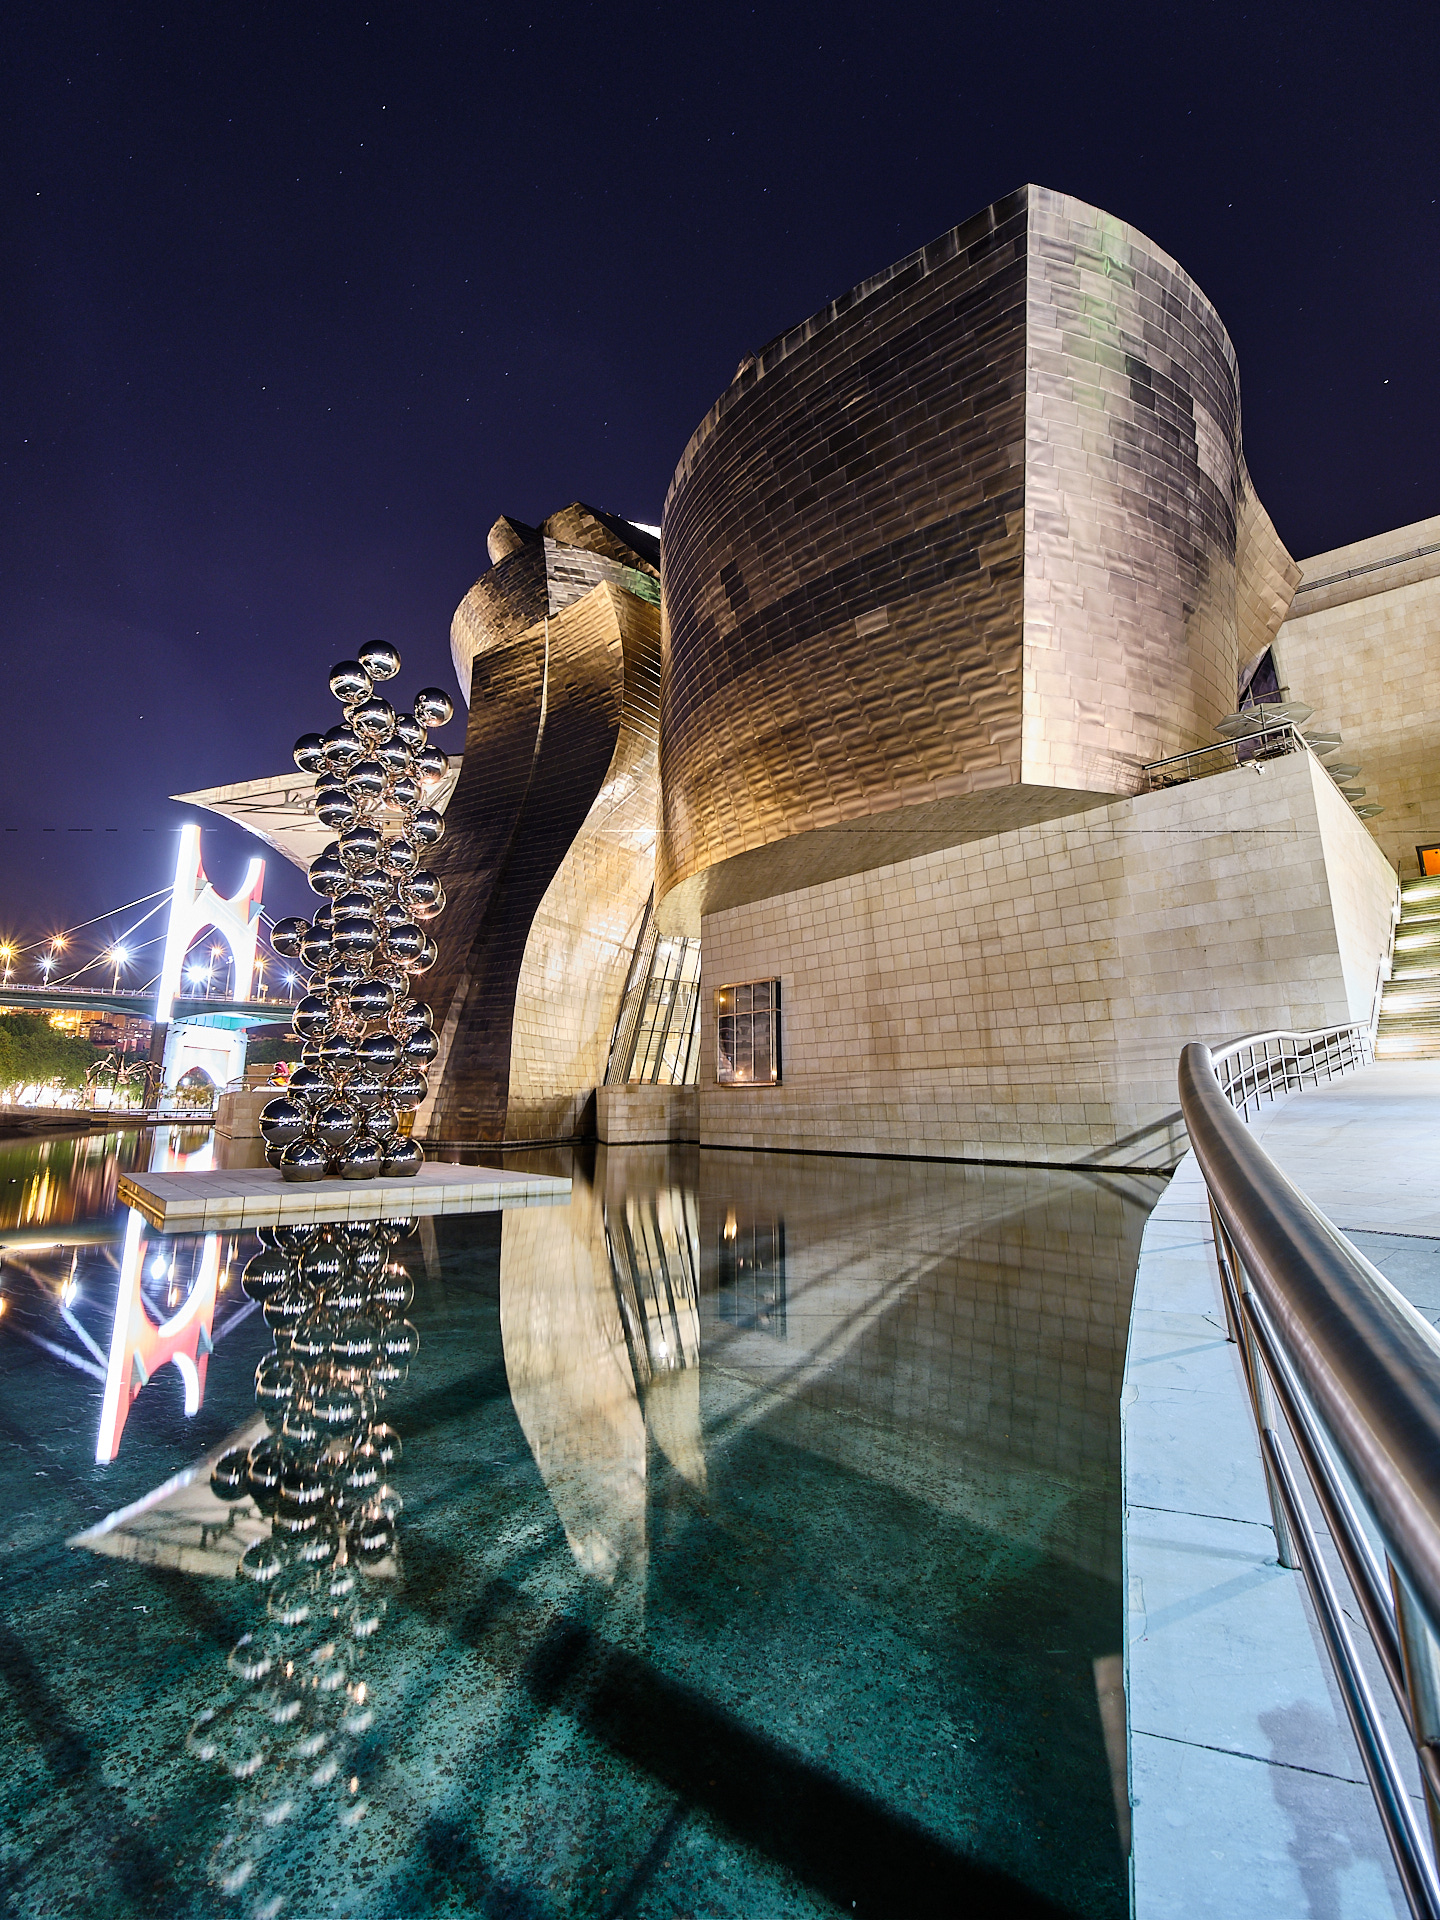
(956, 554)
(550, 834)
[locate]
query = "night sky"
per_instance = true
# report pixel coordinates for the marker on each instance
(298, 300)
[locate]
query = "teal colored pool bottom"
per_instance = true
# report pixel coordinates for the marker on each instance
(760, 1531)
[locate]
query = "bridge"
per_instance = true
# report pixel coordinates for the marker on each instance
(140, 1004)
(190, 1030)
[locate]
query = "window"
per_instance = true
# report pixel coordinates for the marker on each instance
(751, 1275)
(747, 1034)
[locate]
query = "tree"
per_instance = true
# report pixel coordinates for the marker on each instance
(35, 1054)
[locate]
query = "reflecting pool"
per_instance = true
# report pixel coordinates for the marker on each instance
(738, 1539)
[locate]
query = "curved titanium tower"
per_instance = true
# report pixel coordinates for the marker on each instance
(961, 552)
(550, 854)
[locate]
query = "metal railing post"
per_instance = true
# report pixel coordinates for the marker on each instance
(1421, 1664)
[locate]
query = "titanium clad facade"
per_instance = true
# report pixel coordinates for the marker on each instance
(957, 554)
(548, 857)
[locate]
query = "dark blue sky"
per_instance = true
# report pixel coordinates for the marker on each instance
(298, 299)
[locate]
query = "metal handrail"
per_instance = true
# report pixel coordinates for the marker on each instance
(1266, 743)
(1331, 1351)
(1262, 1066)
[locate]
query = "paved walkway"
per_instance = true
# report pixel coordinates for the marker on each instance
(1248, 1796)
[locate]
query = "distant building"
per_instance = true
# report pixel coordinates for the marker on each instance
(854, 814)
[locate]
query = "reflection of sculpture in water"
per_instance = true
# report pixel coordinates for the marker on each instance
(367, 1040)
(600, 1324)
(299, 1702)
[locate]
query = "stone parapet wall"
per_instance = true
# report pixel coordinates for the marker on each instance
(1026, 997)
(640, 1116)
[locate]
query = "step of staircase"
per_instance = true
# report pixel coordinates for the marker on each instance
(1409, 1023)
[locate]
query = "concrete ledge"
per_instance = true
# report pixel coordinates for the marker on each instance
(258, 1197)
(646, 1116)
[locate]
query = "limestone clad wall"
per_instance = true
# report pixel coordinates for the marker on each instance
(1362, 646)
(1026, 997)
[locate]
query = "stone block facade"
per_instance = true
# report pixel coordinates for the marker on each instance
(1026, 997)
(1362, 646)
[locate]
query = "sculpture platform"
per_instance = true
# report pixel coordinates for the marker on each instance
(241, 1197)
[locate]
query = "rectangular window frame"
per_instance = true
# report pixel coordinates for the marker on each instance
(748, 1028)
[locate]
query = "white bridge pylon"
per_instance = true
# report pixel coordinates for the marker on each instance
(213, 1042)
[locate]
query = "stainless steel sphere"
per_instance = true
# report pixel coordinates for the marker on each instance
(422, 889)
(404, 790)
(426, 957)
(409, 1015)
(366, 781)
(303, 1161)
(316, 948)
(310, 1086)
(309, 753)
(405, 941)
(407, 1088)
(375, 720)
(427, 828)
(286, 936)
(337, 809)
(380, 660)
(337, 1053)
(381, 1051)
(366, 1087)
(311, 1019)
(350, 682)
(354, 935)
(420, 1047)
(335, 1125)
(327, 874)
(360, 1160)
(282, 1121)
(433, 706)
(409, 731)
(360, 847)
(393, 754)
(274, 1156)
(402, 1161)
(342, 748)
(372, 999)
(431, 766)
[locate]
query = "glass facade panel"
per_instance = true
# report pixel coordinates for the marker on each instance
(747, 1034)
(662, 1037)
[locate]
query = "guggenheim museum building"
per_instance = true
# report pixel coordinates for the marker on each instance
(963, 742)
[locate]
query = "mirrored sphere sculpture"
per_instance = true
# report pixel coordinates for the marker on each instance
(349, 1108)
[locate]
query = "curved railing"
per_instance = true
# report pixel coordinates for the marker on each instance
(1263, 1066)
(1343, 1377)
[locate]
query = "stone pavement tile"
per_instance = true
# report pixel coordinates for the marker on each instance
(1233, 1837)
(1221, 1649)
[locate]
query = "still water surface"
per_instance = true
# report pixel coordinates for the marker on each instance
(757, 1527)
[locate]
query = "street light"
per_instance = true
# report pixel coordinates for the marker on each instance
(119, 955)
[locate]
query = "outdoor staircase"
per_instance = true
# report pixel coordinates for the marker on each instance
(1409, 1027)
